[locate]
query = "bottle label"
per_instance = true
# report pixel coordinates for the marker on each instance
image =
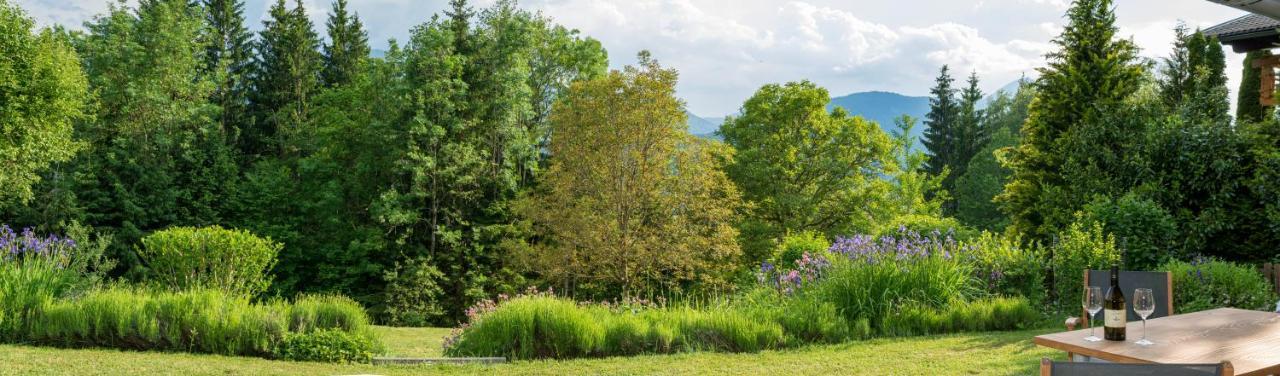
(1115, 318)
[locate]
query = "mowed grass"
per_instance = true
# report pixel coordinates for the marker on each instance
(994, 353)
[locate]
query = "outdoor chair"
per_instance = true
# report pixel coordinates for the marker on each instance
(1160, 283)
(1051, 368)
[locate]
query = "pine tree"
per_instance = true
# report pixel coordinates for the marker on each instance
(348, 46)
(1092, 71)
(286, 77)
(940, 123)
(1248, 106)
(1193, 79)
(970, 137)
(228, 58)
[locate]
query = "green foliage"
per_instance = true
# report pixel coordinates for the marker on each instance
(796, 245)
(979, 315)
(941, 124)
(1207, 284)
(1193, 79)
(1066, 140)
(1002, 266)
(232, 261)
(159, 157)
(986, 175)
(25, 288)
(286, 77)
(348, 46)
(867, 291)
(1249, 108)
(548, 327)
(229, 59)
(413, 294)
(802, 167)
(630, 201)
(310, 313)
(1145, 231)
(328, 345)
(926, 225)
(1081, 246)
(44, 93)
(910, 193)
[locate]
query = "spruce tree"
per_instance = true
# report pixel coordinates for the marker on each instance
(1193, 79)
(286, 76)
(1091, 72)
(228, 58)
(940, 123)
(1248, 106)
(348, 46)
(970, 135)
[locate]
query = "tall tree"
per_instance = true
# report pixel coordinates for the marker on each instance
(286, 77)
(940, 136)
(229, 58)
(804, 168)
(1249, 107)
(348, 46)
(43, 92)
(970, 136)
(160, 157)
(1091, 72)
(985, 177)
(631, 202)
(1193, 79)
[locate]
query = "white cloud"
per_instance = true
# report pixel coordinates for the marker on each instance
(725, 50)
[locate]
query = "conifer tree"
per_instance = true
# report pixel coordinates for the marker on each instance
(1248, 106)
(228, 58)
(970, 137)
(286, 77)
(1092, 71)
(940, 123)
(348, 46)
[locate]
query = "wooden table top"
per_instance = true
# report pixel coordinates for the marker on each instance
(1250, 340)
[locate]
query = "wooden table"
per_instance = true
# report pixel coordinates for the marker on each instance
(1250, 340)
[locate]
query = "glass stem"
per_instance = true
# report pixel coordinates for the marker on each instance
(1092, 316)
(1144, 328)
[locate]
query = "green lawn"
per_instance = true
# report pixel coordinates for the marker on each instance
(996, 353)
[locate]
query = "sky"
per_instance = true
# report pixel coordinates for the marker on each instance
(727, 49)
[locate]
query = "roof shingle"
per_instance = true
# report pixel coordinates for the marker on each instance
(1248, 24)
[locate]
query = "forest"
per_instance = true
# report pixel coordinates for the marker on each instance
(494, 150)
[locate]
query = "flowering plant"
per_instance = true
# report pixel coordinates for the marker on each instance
(19, 247)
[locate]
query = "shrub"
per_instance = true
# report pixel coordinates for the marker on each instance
(233, 261)
(1002, 267)
(36, 270)
(531, 328)
(794, 246)
(928, 225)
(327, 345)
(1080, 247)
(1144, 230)
(979, 315)
(869, 278)
(413, 294)
(202, 321)
(1206, 284)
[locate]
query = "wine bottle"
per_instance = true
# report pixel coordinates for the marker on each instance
(1115, 314)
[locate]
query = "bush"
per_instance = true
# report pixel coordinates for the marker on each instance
(979, 315)
(927, 225)
(1144, 230)
(233, 261)
(536, 327)
(327, 345)
(870, 278)
(1206, 284)
(794, 246)
(1080, 247)
(36, 270)
(1002, 267)
(413, 294)
(202, 321)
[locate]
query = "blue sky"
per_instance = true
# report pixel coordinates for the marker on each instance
(725, 50)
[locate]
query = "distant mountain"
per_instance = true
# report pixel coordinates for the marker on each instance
(883, 107)
(699, 125)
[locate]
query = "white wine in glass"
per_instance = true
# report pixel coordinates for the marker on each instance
(1092, 302)
(1144, 304)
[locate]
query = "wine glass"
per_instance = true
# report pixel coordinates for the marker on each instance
(1144, 304)
(1092, 303)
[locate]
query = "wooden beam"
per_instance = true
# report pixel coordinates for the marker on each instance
(1268, 61)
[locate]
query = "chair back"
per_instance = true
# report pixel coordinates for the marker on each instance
(1048, 368)
(1160, 283)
